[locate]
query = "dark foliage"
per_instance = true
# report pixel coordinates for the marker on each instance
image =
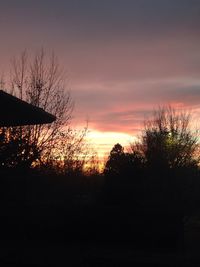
(156, 184)
(141, 200)
(40, 82)
(168, 142)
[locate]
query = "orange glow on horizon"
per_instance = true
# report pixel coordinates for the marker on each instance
(104, 141)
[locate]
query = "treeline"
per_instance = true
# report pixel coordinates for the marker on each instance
(156, 184)
(143, 196)
(163, 165)
(39, 80)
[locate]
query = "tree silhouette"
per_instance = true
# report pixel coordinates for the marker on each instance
(123, 176)
(39, 81)
(168, 141)
(171, 153)
(115, 161)
(123, 163)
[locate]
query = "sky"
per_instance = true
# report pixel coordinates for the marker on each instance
(123, 58)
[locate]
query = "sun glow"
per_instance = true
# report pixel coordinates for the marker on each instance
(104, 141)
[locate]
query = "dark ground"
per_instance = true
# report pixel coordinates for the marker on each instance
(44, 223)
(14, 253)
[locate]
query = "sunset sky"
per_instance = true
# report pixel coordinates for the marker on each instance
(122, 58)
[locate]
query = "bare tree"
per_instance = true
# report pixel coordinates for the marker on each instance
(71, 151)
(168, 140)
(38, 80)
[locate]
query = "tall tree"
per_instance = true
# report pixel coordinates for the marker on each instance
(168, 141)
(38, 80)
(115, 160)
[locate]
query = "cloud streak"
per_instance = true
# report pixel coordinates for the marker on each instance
(123, 107)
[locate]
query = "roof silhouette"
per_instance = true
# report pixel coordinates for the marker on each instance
(16, 112)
